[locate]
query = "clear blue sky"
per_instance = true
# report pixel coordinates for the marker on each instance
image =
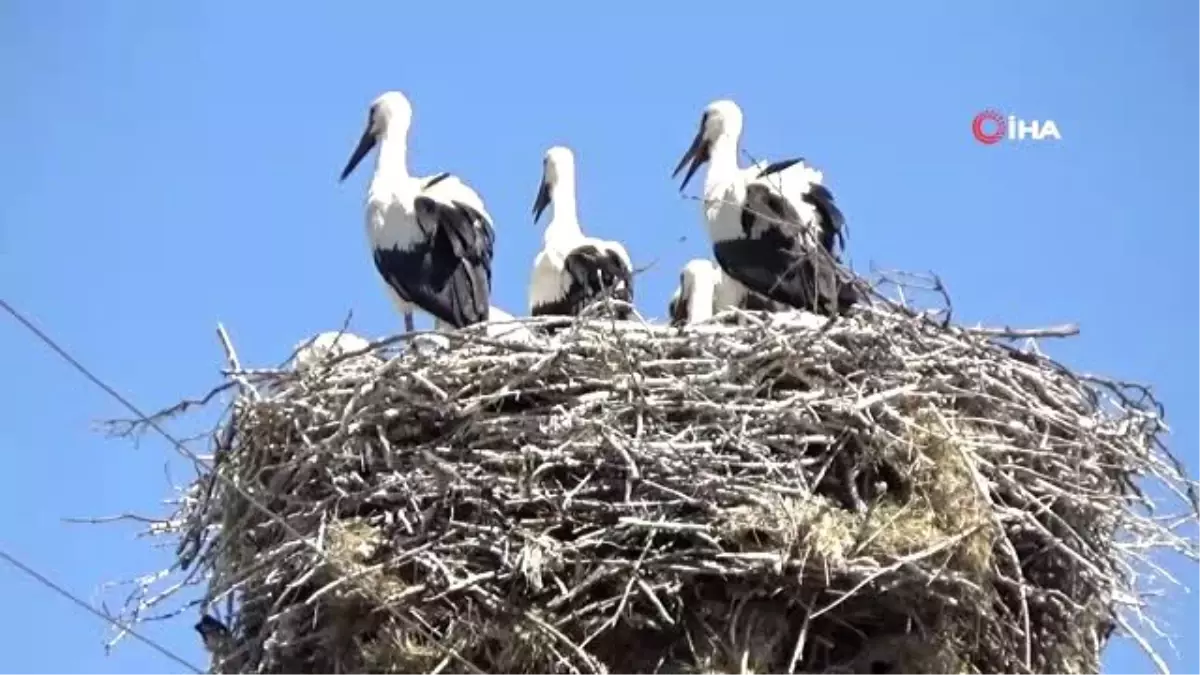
(170, 165)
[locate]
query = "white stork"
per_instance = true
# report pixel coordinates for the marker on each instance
(572, 270)
(431, 237)
(326, 346)
(774, 228)
(704, 290)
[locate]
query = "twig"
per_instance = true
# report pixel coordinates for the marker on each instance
(550, 506)
(1065, 330)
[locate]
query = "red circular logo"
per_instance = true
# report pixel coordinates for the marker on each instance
(989, 127)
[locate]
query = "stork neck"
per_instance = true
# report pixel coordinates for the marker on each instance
(700, 304)
(393, 155)
(562, 232)
(564, 226)
(562, 196)
(722, 162)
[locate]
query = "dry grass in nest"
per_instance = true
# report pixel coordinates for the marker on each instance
(877, 494)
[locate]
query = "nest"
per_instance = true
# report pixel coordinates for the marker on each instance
(879, 493)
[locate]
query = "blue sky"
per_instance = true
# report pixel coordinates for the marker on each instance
(171, 165)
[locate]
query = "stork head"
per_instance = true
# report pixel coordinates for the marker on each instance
(391, 111)
(720, 119)
(676, 307)
(699, 273)
(557, 165)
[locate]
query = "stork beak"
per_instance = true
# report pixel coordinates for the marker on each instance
(677, 307)
(697, 154)
(543, 199)
(364, 146)
(675, 311)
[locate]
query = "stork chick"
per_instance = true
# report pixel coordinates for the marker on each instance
(573, 270)
(704, 290)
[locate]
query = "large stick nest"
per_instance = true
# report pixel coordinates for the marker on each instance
(880, 493)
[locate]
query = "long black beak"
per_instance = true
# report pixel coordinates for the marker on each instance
(697, 154)
(364, 146)
(543, 199)
(678, 306)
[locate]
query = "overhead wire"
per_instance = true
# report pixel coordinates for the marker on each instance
(186, 452)
(47, 582)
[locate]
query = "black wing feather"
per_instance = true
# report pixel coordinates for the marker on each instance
(771, 260)
(436, 179)
(593, 272)
(776, 167)
(809, 280)
(767, 205)
(449, 273)
(757, 302)
(832, 223)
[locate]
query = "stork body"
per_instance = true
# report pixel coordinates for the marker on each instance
(775, 227)
(573, 270)
(326, 346)
(431, 238)
(704, 290)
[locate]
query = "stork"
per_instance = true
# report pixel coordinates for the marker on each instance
(572, 270)
(704, 290)
(326, 346)
(775, 228)
(431, 237)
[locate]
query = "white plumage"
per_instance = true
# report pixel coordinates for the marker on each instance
(572, 270)
(500, 326)
(705, 290)
(325, 346)
(504, 327)
(431, 237)
(775, 228)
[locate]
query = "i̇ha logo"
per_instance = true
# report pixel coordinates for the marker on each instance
(991, 127)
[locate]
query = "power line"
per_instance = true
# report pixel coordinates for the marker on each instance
(70, 596)
(79, 366)
(182, 449)
(179, 446)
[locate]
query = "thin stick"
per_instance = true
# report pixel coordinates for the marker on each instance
(551, 506)
(1065, 330)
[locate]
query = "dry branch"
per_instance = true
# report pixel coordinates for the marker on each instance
(879, 493)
